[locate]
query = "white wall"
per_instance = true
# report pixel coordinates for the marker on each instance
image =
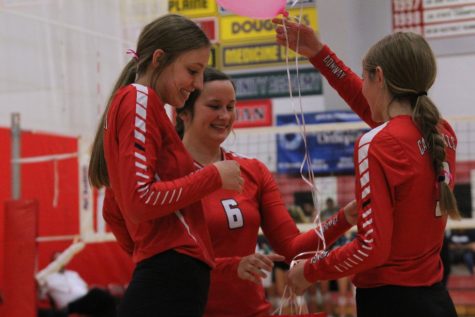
(60, 58)
(454, 88)
(350, 27)
(306, 103)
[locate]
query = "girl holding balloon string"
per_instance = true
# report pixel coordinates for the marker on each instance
(234, 219)
(404, 173)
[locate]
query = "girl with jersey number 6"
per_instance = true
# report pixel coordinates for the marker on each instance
(153, 193)
(404, 174)
(233, 219)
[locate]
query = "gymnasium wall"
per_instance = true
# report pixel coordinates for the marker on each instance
(72, 52)
(99, 263)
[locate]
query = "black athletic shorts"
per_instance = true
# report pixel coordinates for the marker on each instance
(401, 301)
(167, 284)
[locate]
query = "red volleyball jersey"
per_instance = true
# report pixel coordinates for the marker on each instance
(400, 232)
(153, 203)
(234, 221)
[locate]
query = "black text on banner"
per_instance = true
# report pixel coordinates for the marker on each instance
(275, 84)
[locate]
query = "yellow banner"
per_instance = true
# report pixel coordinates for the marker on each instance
(263, 54)
(193, 8)
(238, 29)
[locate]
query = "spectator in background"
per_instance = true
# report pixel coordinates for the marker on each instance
(343, 283)
(445, 257)
(70, 294)
(329, 210)
(309, 210)
(462, 247)
(298, 215)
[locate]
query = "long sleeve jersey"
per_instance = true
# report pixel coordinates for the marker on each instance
(153, 203)
(234, 220)
(400, 232)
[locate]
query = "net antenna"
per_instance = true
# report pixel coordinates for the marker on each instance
(16, 146)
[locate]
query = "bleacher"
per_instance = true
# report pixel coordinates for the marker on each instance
(462, 290)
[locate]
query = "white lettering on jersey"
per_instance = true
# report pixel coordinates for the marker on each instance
(449, 141)
(421, 143)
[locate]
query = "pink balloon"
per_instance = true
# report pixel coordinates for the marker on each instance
(258, 9)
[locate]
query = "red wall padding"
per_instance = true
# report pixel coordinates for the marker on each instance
(37, 180)
(19, 242)
(99, 263)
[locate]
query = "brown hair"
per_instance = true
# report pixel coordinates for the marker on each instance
(171, 33)
(409, 69)
(210, 74)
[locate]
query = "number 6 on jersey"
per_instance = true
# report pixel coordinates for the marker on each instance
(233, 213)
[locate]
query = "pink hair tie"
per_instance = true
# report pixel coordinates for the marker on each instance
(133, 53)
(448, 176)
(445, 177)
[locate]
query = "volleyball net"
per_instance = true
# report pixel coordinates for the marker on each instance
(330, 147)
(70, 208)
